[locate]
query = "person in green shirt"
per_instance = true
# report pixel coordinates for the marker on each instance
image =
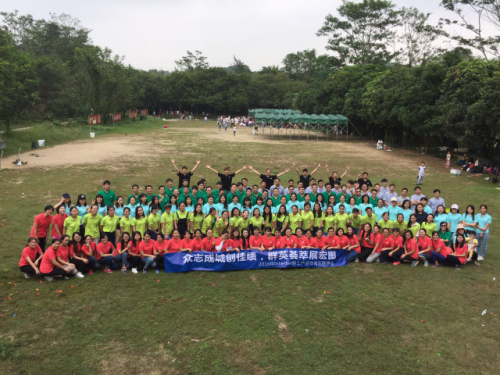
(109, 224)
(301, 197)
(233, 221)
(149, 193)
(163, 198)
(385, 222)
(355, 220)
(358, 196)
(196, 218)
(126, 222)
(328, 219)
(91, 222)
(328, 192)
(140, 221)
(169, 189)
(255, 195)
(256, 221)
(209, 221)
(369, 217)
(318, 217)
(429, 226)
(444, 233)
(232, 193)
(135, 193)
(400, 223)
(72, 223)
(243, 222)
(341, 219)
(221, 225)
(413, 225)
(295, 219)
(108, 195)
(154, 220)
(374, 198)
(307, 217)
(167, 221)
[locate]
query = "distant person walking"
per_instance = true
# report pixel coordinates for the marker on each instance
(421, 173)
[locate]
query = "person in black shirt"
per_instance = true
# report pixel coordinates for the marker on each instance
(226, 177)
(364, 180)
(334, 178)
(184, 174)
(268, 178)
(305, 177)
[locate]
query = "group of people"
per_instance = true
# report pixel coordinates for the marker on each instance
(371, 221)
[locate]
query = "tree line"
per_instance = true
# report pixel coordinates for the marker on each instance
(392, 72)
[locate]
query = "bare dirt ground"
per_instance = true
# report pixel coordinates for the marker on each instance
(109, 147)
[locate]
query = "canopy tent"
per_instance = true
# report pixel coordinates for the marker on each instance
(323, 120)
(342, 120)
(332, 119)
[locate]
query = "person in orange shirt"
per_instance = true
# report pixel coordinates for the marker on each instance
(386, 245)
(342, 239)
(332, 239)
(279, 241)
(377, 240)
(197, 241)
(49, 266)
(175, 243)
(208, 243)
(410, 253)
(267, 240)
(425, 247)
(186, 243)
(459, 256)
(354, 248)
(255, 240)
(120, 254)
(77, 256)
(63, 255)
(289, 241)
(146, 248)
(105, 253)
(30, 258)
(159, 249)
(221, 243)
(439, 250)
(89, 252)
(58, 221)
(41, 226)
(302, 241)
(320, 241)
(134, 253)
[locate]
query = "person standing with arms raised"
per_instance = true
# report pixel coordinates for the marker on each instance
(334, 178)
(268, 178)
(305, 177)
(183, 173)
(226, 177)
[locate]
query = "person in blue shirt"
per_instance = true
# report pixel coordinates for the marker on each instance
(441, 216)
(380, 209)
(394, 210)
(483, 222)
(454, 218)
(81, 205)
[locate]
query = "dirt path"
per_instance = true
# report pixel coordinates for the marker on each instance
(111, 147)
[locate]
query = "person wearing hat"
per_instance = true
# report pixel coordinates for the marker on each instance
(66, 201)
(454, 217)
(394, 210)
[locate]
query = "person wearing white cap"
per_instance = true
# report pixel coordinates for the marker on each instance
(393, 209)
(454, 217)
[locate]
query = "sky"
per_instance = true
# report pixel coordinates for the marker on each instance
(152, 34)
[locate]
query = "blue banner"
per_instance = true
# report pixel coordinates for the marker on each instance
(254, 259)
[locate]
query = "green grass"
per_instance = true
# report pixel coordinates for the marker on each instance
(250, 322)
(23, 135)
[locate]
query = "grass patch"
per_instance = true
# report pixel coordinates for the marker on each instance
(249, 322)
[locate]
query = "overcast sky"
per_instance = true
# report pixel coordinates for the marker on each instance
(151, 34)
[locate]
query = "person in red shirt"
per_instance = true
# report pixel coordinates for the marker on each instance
(342, 239)
(134, 253)
(439, 250)
(76, 255)
(41, 226)
(105, 253)
(63, 255)
(320, 241)
(367, 242)
(196, 242)
(147, 248)
(386, 246)
(49, 266)
(302, 241)
(235, 241)
(398, 250)
(459, 256)
(377, 241)
(208, 243)
(289, 241)
(410, 253)
(120, 254)
(159, 249)
(425, 247)
(89, 252)
(245, 239)
(175, 243)
(255, 240)
(279, 241)
(30, 258)
(222, 242)
(332, 239)
(267, 240)
(186, 243)
(58, 222)
(354, 247)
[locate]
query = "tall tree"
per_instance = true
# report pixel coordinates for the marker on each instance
(475, 17)
(192, 61)
(417, 37)
(363, 32)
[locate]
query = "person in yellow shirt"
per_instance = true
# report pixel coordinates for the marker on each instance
(295, 219)
(341, 219)
(154, 220)
(167, 222)
(126, 222)
(140, 222)
(72, 223)
(307, 217)
(109, 224)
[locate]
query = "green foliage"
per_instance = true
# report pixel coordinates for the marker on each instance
(363, 32)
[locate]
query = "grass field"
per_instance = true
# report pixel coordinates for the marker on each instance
(358, 319)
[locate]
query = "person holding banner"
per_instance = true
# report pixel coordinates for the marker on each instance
(354, 248)
(221, 243)
(208, 243)
(289, 241)
(175, 243)
(268, 241)
(196, 242)
(302, 241)
(255, 240)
